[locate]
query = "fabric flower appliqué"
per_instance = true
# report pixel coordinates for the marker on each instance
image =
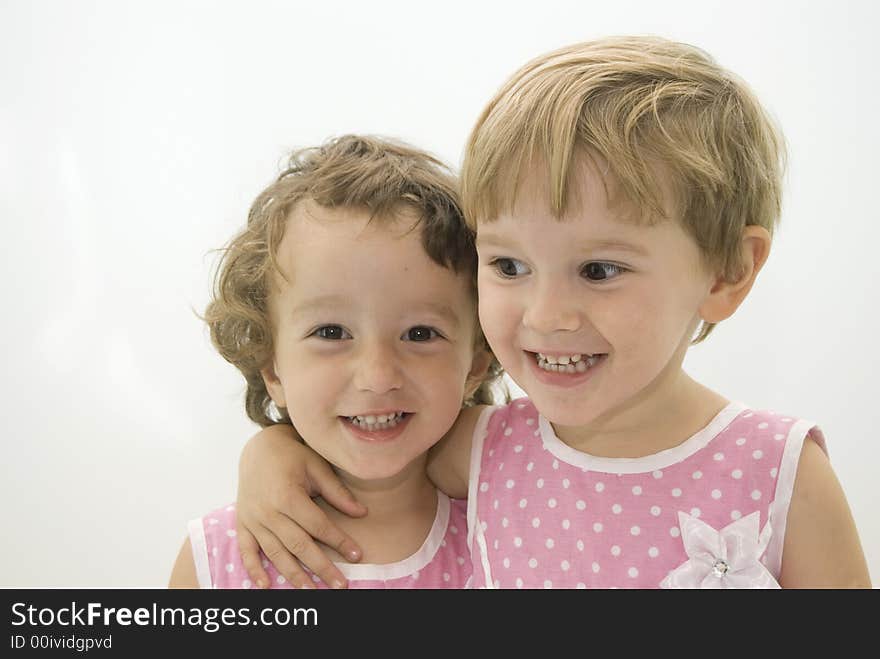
(729, 558)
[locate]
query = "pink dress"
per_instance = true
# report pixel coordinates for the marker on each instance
(441, 562)
(708, 513)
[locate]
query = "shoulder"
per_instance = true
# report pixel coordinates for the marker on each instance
(821, 547)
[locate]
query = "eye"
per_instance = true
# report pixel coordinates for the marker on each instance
(509, 268)
(601, 271)
(420, 333)
(331, 333)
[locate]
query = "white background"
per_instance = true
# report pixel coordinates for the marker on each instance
(133, 137)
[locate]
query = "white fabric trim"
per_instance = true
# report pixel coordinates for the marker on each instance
(200, 553)
(778, 511)
(644, 464)
(481, 429)
(424, 555)
(484, 558)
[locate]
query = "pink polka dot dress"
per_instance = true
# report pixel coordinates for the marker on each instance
(708, 513)
(441, 562)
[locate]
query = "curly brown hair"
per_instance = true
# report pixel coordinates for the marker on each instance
(370, 173)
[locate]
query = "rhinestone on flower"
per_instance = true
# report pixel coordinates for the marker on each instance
(720, 567)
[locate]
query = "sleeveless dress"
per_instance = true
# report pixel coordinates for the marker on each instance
(708, 513)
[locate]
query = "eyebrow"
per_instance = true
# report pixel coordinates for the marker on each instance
(588, 245)
(326, 302)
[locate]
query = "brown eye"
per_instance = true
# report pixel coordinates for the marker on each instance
(421, 333)
(331, 333)
(600, 271)
(509, 267)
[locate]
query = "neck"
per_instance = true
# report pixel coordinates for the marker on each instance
(662, 416)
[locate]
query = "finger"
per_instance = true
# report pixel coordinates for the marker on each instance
(324, 481)
(311, 519)
(299, 542)
(287, 566)
(249, 550)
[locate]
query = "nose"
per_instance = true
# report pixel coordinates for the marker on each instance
(378, 369)
(552, 308)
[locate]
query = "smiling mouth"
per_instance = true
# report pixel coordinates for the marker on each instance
(371, 423)
(574, 363)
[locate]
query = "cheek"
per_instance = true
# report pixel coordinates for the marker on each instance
(498, 318)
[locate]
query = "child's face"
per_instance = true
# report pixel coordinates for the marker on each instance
(623, 297)
(367, 326)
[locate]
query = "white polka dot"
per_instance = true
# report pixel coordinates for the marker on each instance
(653, 552)
(517, 542)
(763, 425)
(491, 452)
(530, 421)
(549, 544)
(551, 503)
(580, 585)
(214, 553)
(280, 579)
(213, 521)
(676, 492)
(580, 545)
(615, 550)
(483, 525)
(600, 486)
(566, 524)
(616, 509)
(597, 527)
(520, 406)
(758, 454)
(695, 512)
(718, 457)
(735, 514)
(536, 433)
(566, 483)
(510, 483)
(536, 522)
(522, 503)
(565, 565)
(246, 583)
(556, 464)
(540, 483)
(595, 567)
(505, 522)
(453, 529)
(737, 473)
(503, 423)
(530, 466)
(655, 511)
(756, 494)
(633, 572)
(716, 494)
(637, 490)
(740, 441)
(697, 475)
(518, 448)
(495, 504)
(460, 560)
(508, 432)
(773, 472)
(484, 487)
(501, 466)
(533, 563)
(635, 530)
(674, 532)
(230, 567)
(495, 544)
(506, 562)
(231, 533)
(446, 576)
(657, 473)
(778, 437)
(580, 505)
(519, 583)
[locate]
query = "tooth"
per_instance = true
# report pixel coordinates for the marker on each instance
(370, 419)
(383, 418)
(569, 368)
(580, 367)
(562, 360)
(551, 359)
(575, 358)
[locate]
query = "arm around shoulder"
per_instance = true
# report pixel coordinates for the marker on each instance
(183, 575)
(822, 547)
(449, 459)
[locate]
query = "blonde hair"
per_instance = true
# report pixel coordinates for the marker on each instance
(646, 106)
(377, 175)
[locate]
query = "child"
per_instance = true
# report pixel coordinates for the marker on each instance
(624, 193)
(349, 305)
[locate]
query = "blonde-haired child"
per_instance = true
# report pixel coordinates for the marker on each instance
(349, 305)
(624, 193)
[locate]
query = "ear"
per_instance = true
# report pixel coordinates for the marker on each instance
(725, 296)
(273, 385)
(479, 368)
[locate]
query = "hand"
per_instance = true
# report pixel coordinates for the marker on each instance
(278, 476)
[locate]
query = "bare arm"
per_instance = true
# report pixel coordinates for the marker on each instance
(183, 575)
(822, 548)
(449, 459)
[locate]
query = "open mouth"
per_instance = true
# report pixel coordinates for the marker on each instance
(372, 423)
(573, 364)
